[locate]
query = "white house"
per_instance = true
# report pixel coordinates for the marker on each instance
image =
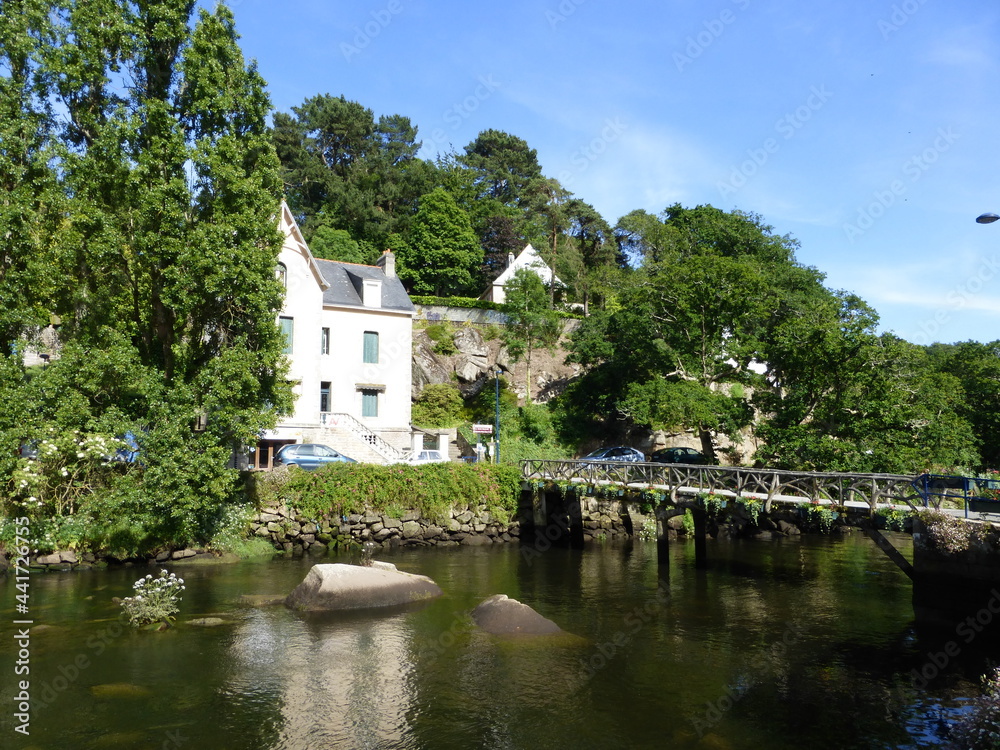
(348, 330)
(528, 258)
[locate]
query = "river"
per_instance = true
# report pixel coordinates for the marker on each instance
(803, 642)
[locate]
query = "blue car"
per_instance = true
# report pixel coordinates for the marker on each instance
(615, 454)
(309, 456)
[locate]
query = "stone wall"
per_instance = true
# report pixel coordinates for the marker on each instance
(295, 534)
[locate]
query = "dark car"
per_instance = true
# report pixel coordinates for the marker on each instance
(309, 456)
(679, 456)
(617, 453)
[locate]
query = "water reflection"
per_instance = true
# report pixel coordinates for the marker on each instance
(808, 642)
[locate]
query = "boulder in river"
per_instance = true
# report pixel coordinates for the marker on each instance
(500, 615)
(338, 586)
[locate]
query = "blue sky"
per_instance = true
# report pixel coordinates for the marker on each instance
(866, 130)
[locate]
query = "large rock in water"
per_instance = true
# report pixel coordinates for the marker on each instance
(339, 586)
(502, 616)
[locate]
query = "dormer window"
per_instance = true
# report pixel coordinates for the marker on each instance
(372, 293)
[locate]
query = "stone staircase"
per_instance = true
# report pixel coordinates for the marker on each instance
(346, 434)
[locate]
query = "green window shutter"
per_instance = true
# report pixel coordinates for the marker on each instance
(371, 348)
(369, 403)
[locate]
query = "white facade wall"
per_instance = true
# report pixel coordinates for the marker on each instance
(343, 367)
(346, 369)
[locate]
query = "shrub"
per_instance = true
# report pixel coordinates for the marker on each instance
(440, 405)
(443, 337)
(433, 489)
(155, 600)
(950, 535)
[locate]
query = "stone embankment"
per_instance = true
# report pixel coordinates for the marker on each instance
(294, 534)
(73, 560)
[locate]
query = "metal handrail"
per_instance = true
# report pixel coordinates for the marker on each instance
(342, 419)
(824, 487)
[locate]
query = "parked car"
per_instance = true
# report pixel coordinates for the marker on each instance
(615, 454)
(427, 457)
(679, 456)
(309, 456)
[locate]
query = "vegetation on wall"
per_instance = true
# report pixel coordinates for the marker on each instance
(433, 489)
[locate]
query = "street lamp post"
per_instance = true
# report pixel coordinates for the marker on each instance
(496, 428)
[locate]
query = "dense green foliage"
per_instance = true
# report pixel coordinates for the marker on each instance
(433, 489)
(160, 267)
(530, 321)
(438, 406)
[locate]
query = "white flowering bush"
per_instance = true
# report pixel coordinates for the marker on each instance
(951, 535)
(155, 599)
(66, 466)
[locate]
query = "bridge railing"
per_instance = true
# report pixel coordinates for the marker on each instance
(765, 484)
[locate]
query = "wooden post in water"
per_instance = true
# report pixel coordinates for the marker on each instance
(538, 509)
(572, 502)
(662, 541)
(700, 530)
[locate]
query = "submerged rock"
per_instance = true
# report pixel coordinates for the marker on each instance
(120, 690)
(339, 586)
(207, 622)
(500, 615)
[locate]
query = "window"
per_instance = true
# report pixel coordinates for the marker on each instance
(287, 326)
(324, 396)
(371, 348)
(371, 292)
(281, 274)
(369, 403)
(324, 341)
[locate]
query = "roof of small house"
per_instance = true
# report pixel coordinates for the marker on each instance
(528, 258)
(346, 288)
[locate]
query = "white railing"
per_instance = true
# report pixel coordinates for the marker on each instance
(346, 421)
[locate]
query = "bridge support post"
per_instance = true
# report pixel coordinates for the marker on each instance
(538, 509)
(700, 531)
(662, 542)
(575, 513)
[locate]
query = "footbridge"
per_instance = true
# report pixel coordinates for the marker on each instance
(673, 488)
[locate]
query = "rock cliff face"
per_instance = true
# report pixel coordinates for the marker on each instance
(475, 359)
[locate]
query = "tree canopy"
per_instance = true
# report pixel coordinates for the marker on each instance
(160, 264)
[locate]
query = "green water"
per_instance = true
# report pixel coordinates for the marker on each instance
(799, 643)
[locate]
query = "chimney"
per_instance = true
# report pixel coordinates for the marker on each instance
(387, 262)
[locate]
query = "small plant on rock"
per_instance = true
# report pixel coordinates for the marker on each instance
(155, 599)
(365, 554)
(951, 535)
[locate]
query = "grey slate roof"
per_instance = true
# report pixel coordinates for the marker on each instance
(345, 280)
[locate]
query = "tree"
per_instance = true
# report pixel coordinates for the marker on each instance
(503, 164)
(336, 244)
(548, 203)
(595, 247)
(500, 239)
(839, 396)
(531, 322)
(30, 203)
(685, 326)
(163, 264)
(345, 170)
(977, 368)
(443, 251)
